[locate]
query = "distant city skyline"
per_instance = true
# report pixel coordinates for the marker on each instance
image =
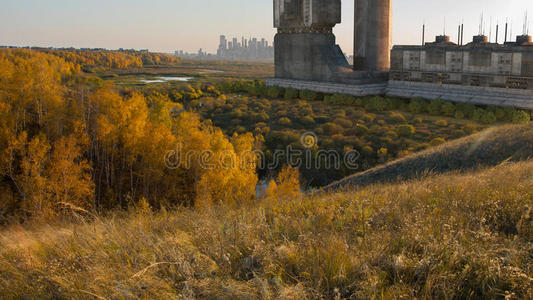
(234, 48)
(168, 25)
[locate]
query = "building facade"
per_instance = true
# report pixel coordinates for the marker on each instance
(478, 63)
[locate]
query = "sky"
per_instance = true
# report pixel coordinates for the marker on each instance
(168, 25)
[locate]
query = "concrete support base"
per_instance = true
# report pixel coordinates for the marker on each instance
(308, 56)
(522, 99)
(466, 94)
(329, 87)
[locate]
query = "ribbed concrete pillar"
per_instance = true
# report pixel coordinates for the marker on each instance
(372, 35)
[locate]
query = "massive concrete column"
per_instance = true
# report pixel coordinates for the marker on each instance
(305, 47)
(372, 35)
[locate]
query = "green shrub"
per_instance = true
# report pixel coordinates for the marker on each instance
(391, 134)
(383, 154)
(395, 117)
(291, 93)
(339, 113)
(459, 114)
(422, 146)
(406, 130)
(343, 122)
(397, 103)
(340, 99)
(284, 121)
(520, 117)
(237, 114)
(368, 118)
(470, 128)
(274, 92)
(377, 104)
(478, 114)
(330, 99)
(361, 130)
(437, 141)
(356, 101)
(332, 128)
(498, 112)
(489, 117)
(458, 133)
(308, 95)
(418, 105)
(448, 109)
(376, 130)
(435, 107)
(385, 139)
(441, 123)
(282, 113)
(367, 150)
(509, 113)
(467, 109)
(307, 120)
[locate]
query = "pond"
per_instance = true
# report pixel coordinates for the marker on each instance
(164, 79)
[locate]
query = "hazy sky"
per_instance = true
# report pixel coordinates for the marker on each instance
(167, 25)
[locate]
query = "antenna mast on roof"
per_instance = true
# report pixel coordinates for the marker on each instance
(526, 24)
(490, 30)
(424, 33)
(480, 22)
(497, 30)
(506, 29)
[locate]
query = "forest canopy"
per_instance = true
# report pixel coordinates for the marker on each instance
(71, 142)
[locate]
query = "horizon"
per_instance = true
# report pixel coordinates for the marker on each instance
(161, 26)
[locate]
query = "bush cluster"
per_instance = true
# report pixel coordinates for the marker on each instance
(438, 107)
(279, 123)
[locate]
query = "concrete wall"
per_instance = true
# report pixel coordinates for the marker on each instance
(329, 87)
(467, 94)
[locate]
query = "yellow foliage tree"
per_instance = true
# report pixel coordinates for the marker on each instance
(286, 187)
(69, 176)
(222, 170)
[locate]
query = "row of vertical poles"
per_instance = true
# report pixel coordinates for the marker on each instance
(461, 29)
(460, 34)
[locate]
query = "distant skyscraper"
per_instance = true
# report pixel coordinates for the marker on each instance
(223, 42)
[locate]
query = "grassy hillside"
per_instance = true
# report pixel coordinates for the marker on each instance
(487, 148)
(447, 237)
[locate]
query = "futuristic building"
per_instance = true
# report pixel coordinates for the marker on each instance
(307, 57)
(478, 63)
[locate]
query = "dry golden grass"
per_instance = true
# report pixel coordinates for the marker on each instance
(452, 236)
